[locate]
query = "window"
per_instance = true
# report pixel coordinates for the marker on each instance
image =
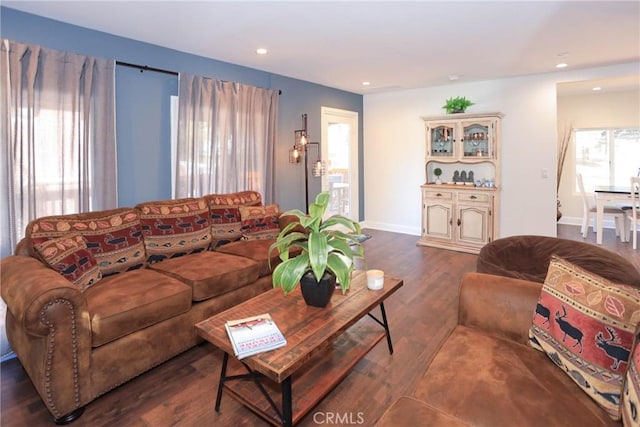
(57, 167)
(59, 144)
(607, 156)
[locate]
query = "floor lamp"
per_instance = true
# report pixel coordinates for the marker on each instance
(299, 150)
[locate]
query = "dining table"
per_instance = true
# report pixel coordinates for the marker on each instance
(611, 195)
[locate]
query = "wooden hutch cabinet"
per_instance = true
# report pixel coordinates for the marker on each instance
(460, 205)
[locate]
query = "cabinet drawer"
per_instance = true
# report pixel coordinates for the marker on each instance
(473, 197)
(433, 194)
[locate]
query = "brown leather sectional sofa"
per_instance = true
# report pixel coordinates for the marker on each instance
(485, 373)
(162, 268)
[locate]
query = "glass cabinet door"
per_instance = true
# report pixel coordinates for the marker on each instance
(441, 140)
(477, 139)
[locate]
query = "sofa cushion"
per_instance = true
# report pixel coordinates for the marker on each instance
(631, 394)
(225, 214)
(69, 256)
(257, 250)
(173, 228)
(259, 222)
(586, 325)
(485, 380)
(113, 236)
(209, 273)
(121, 304)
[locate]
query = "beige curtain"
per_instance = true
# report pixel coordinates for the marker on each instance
(58, 151)
(226, 138)
(58, 135)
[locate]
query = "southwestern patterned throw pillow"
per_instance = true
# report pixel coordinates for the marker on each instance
(225, 215)
(174, 227)
(69, 256)
(631, 395)
(114, 237)
(260, 222)
(587, 325)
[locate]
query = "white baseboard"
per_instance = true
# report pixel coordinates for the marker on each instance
(572, 220)
(415, 231)
(395, 228)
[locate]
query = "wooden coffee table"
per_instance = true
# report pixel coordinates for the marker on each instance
(323, 345)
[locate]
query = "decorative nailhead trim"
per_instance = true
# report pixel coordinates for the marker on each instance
(50, 349)
(149, 367)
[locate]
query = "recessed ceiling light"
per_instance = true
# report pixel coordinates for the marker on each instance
(597, 88)
(561, 65)
(261, 51)
(366, 83)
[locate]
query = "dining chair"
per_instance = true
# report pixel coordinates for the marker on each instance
(589, 207)
(633, 214)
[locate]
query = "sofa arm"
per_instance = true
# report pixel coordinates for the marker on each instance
(501, 306)
(49, 329)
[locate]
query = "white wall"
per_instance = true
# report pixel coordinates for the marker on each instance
(394, 148)
(599, 109)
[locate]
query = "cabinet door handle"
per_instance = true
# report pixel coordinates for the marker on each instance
(473, 197)
(451, 221)
(439, 194)
(459, 222)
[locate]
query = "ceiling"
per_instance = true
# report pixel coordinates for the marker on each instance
(394, 45)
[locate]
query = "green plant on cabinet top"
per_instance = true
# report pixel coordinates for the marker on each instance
(458, 104)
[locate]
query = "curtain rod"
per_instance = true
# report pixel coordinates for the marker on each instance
(146, 68)
(157, 70)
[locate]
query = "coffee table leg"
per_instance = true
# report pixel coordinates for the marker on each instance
(287, 406)
(223, 376)
(386, 327)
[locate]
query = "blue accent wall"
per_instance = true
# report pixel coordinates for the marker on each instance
(143, 105)
(143, 134)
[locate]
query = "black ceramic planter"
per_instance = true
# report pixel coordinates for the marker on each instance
(317, 294)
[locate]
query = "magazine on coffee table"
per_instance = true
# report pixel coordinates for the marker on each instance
(254, 335)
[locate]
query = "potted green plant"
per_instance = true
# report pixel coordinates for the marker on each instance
(437, 172)
(324, 253)
(459, 104)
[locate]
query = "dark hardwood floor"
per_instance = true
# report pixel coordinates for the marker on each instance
(181, 392)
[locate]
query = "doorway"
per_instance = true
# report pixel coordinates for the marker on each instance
(340, 151)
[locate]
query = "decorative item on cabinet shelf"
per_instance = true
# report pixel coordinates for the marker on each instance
(463, 178)
(470, 179)
(437, 172)
(459, 104)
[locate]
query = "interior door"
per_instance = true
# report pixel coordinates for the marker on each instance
(340, 152)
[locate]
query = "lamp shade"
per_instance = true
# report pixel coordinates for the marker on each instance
(319, 168)
(295, 155)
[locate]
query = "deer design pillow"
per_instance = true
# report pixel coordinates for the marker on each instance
(631, 395)
(260, 222)
(173, 228)
(586, 325)
(69, 256)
